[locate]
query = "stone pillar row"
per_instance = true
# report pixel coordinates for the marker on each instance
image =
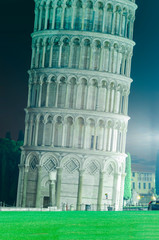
(55, 189)
(107, 19)
(111, 136)
(111, 57)
(97, 97)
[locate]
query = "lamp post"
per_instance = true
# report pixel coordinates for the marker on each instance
(52, 180)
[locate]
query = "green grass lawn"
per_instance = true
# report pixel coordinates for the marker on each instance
(79, 225)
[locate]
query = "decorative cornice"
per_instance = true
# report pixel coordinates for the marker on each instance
(82, 34)
(84, 73)
(78, 112)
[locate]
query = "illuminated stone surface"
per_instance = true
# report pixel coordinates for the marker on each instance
(76, 118)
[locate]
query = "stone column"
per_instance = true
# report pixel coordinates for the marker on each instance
(105, 138)
(91, 64)
(38, 190)
(36, 19)
(47, 93)
(43, 56)
(52, 193)
(36, 131)
(40, 17)
(123, 64)
(116, 192)
(73, 16)
(83, 15)
(19, 191)
(26, 170)
(30, 132)
(80, 188)
(113, 22)
(123, 140)
(37, 55)
(62, 18)
(81, 54)
(107, 99)
(58, 187)
(71, 55)
(60, 54)
(100, 191)
(53, 133)
(121, 23)
(101, 59)
(26, 133)
(29, 95)
(57, 94)
(63, 133)
(40, 94)
(95, 137)
(123, 175)
(46, 16)
(33, 56)
(51, 52)
(53, 19)
(110, 58)
(44, 130)
(104, 19)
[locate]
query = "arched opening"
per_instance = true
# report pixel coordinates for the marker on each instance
(40, 57)
(78, 15)
(48, 131)
(99, 17)
(65, 53)
(43, 16)
(40, 131)
(76, 53)
(96, 55)
(58, 132)
(58, 15)
(81, 94)
(69, 132)
(92, 94)
(71, 87)
(79, 133)
(100, 135)
(90, 134)
(44, 93)
(50, 16)
(106, 56)
(47, 54)
(52, 92)
(114, 58)
(117, 20)
(124, 22)
(55, 57)
(101, 101)
(88, 18)
(62, 93)
(86, 54)
(68, 15)
(109, 17)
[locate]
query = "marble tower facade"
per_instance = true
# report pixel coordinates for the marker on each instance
(77, 111)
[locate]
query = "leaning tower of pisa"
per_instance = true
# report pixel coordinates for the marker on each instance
(76, 116)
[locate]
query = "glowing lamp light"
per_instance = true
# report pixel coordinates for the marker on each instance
(154, 198)
(138, 197)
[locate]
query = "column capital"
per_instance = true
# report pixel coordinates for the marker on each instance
(81, 172)
(39, 167)
(26, 169)
(21, 166)
(59, 170)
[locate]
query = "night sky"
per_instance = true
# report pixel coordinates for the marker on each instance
(16, 25)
